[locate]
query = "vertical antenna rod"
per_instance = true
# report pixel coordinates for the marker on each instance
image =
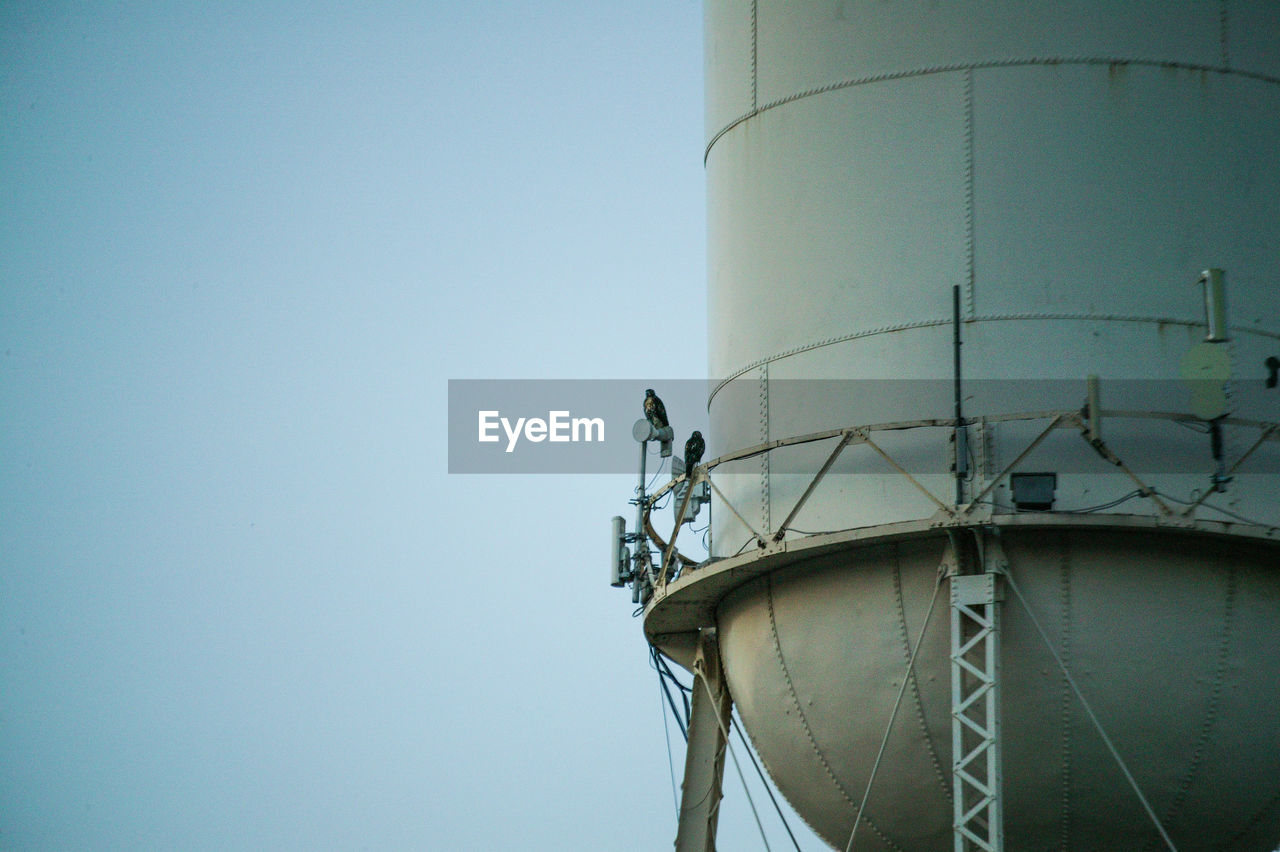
(642, 546)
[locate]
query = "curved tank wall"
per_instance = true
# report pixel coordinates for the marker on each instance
(1071, 167)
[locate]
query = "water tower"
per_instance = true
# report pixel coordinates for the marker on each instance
(994, 324)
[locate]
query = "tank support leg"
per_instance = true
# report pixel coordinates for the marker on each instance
(704, 757)
(975, 710)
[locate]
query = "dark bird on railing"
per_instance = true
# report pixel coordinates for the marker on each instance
(693, 450)
(654, 411)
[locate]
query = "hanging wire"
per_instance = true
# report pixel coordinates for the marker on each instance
(1083, 511)
(1206, 504)
(765, 782)
(729, 745)
(858, 817)
(666, 674)
(682, 723)
(661, 466)
(702, 532)
(671, 767)
(685, 691)
(658, 666)
(1089, 710)
(1137, 492)
(1234, 515)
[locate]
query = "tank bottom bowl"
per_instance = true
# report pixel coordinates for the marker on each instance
(1172, 639)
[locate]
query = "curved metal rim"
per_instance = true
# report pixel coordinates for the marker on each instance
(688, 603)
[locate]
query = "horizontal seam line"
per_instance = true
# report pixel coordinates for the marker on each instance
(909, 326)
(972, 66)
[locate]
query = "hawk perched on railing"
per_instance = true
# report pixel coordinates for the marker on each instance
(693, 450)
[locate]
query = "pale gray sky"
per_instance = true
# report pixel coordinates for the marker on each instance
(243, 247)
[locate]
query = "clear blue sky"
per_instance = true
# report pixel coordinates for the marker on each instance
(243, 247)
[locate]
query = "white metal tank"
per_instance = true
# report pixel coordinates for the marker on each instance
(1073, 168)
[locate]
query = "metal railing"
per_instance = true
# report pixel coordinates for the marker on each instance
(954, 513)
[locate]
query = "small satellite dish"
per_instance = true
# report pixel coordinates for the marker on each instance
(1205, 369)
